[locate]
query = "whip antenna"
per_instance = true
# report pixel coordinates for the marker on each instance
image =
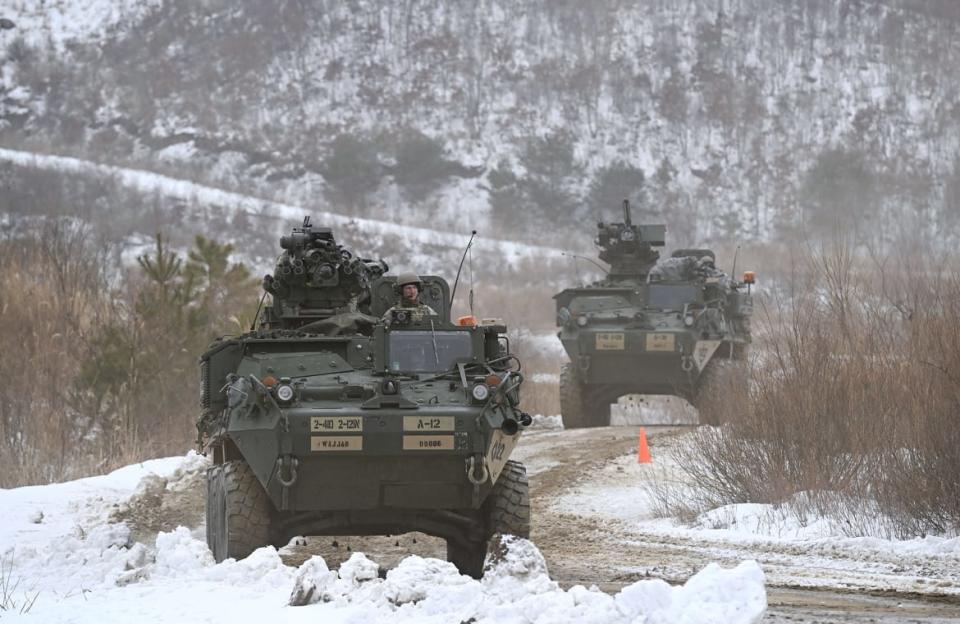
(460, 268)
(596, 264)
(470, 298)
(253, 324)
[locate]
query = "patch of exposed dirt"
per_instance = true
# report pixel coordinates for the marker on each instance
(164, 504)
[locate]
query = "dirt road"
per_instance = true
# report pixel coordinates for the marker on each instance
(583, 544)
(588, 503)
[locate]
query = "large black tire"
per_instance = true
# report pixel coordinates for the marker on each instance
(467, 557)
(508, 504)
(580, 405)
(718, 390)
(506, 511)
(214, 507)
(238, 511)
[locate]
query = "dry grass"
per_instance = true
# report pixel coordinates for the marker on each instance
(56, 297)
(14, 599)
(854, 399)
(51, 297)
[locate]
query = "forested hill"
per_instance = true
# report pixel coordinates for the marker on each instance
(728, 119)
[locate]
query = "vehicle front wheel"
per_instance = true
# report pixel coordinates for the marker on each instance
(508, 505)
(468, 557)
(238, 511)
(581, 405)
(720, 391)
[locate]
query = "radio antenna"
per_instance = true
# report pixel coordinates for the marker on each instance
(594, 263)
(253, 323)
(576, 267)
(460, 268)
(470, 298)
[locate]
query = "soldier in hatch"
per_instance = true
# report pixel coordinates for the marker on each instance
(410, 285)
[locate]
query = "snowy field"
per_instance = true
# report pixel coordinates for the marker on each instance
(68, 557)
(65, 561)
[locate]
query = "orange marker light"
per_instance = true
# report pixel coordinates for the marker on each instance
(492, 380)
(467, 321)
(269, 381)
(749, 277)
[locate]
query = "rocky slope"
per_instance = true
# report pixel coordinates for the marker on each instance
(735, 119)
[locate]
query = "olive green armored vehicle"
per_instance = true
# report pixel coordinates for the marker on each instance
(330, 420)
(674, 327)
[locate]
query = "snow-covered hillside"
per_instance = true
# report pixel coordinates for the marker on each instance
(428, 250)
(743, 119)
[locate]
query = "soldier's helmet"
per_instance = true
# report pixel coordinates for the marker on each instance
(409, 278)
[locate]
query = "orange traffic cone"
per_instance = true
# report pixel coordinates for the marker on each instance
(643, 452)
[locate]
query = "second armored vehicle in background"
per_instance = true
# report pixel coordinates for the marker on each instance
(326, 420)
(667, 328)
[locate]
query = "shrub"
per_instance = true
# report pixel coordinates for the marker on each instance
(853, 401)
(421, 167)
(95, 360)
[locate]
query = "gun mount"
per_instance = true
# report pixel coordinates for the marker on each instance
(628, 248)
(316, 278)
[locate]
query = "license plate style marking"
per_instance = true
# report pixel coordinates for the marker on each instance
(428, 443)
(609, 342)
(323, 424)
(336, 443)
(428, 423)
(660, 342)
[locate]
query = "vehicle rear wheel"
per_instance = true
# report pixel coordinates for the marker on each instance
(238, 511)
(580, 405)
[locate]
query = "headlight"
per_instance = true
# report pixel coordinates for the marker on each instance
(582, 321)
(284, 393)
(688, 320)
(480, 392)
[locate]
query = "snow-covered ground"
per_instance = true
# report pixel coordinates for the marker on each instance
(67, 561)
(794, 544)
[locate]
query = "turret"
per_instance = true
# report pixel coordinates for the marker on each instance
(628, 248)
(315, 278)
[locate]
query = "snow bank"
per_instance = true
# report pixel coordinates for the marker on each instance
(517, 588)
(87, 570)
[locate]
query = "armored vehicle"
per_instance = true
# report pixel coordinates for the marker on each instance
(669, 328)
(329, 420)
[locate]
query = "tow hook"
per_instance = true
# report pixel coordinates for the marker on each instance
(471, 469)
(686, 364)
(286, 463)
(477, 481)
